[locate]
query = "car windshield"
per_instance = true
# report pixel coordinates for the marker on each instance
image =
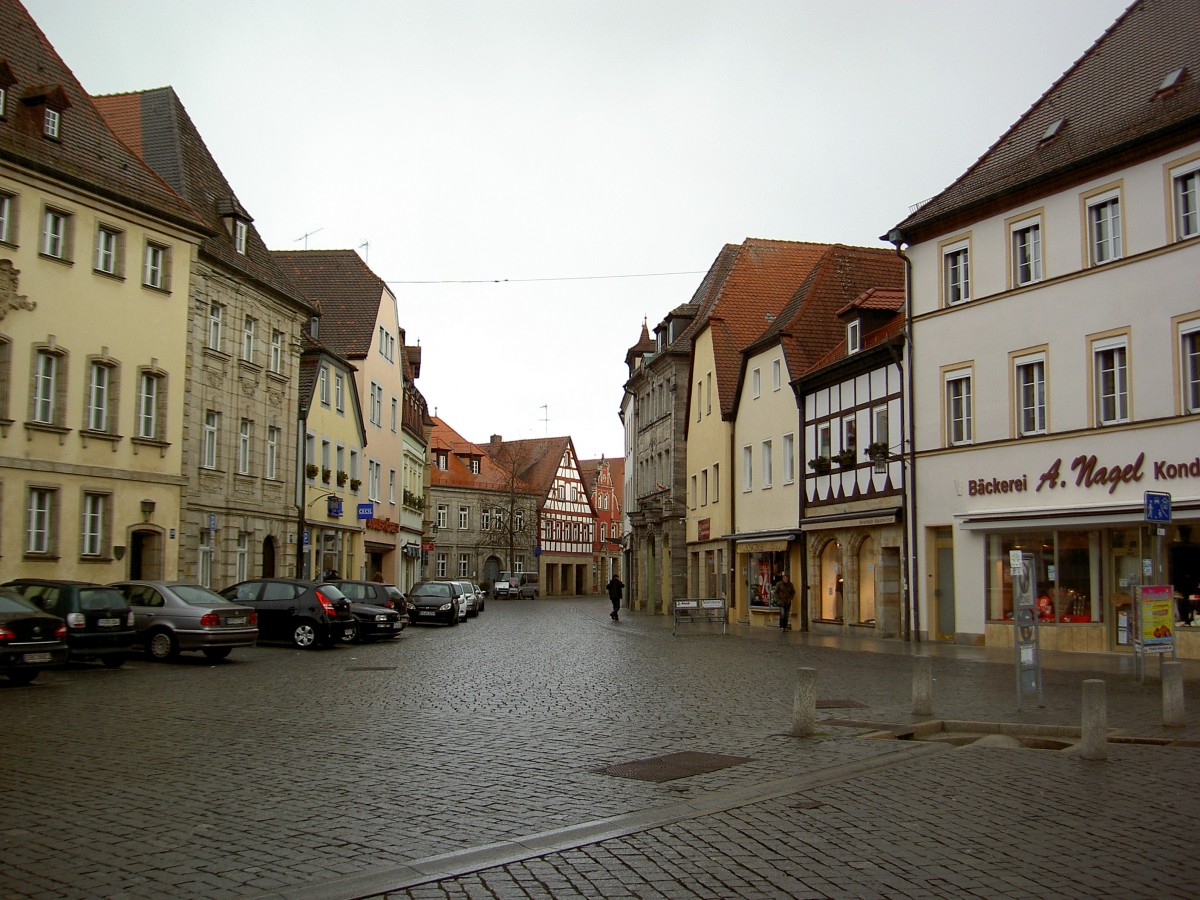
(100, 598)
(12, 603)
(430, 590)
(198, 595)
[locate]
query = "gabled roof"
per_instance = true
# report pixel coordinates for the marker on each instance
(590, 470)
(155, 126)
(491, 477)
(1110, 105)
(645, 344)
(536, 459)
(761, 277)
(888, 305)
(87, 154)
(348, 293)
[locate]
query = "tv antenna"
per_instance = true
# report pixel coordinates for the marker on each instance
(545, 418)
(367, 255)
(304, 237)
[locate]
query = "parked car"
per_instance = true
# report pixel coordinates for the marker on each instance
(99, 620)
(171, 617)
(505, 587)
(375, 593)
(30, 639)
(306, 613)
(527, 585)
(470, 599)
(374, 622)
(435, 601)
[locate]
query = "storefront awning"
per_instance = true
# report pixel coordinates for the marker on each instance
(850, 520)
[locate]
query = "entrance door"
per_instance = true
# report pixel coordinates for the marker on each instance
(268, 557)
(944, 591)
(145, 555)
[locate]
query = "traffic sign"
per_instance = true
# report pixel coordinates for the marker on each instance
(1158, 507)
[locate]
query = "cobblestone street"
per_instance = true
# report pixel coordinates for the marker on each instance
(465, 762)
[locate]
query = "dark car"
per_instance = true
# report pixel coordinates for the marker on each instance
(99, 620)
(171, 617)
(434, 601)
(376, 593)
(30, 639)
(306, 613)
(375, 622)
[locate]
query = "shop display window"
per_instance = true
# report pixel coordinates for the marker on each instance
(1067, 566)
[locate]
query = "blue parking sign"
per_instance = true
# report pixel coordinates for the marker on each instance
(1158, 507)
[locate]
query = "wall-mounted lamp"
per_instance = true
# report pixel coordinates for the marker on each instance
(147, 510)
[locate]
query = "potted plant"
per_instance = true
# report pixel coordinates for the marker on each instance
(845, 459)
(819, 465)
(876, 450)
(355, 484)
(342, 478)
(326, 473)
(311, 470)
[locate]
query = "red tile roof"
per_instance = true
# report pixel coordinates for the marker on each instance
(1112, 108)
(348, 292)
(492, 476)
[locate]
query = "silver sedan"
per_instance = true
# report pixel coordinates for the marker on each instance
(173, 616)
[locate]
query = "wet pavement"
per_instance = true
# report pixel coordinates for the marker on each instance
(479, 761)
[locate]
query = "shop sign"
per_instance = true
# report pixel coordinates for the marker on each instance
(333, 507)
(366, 511)
(702, 529)
(385, 525)
(1088, 471)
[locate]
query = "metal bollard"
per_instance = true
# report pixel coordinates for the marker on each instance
(1095, 720)
(1172, 694)
(804, 704)
(922, 687)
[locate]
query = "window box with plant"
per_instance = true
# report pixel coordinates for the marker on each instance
(846, 459)
(820, 464)
(876, 450)
(326, 474)
(342, 478)
(311, 470)
(355, 484)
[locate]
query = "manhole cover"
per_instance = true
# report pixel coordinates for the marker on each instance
(840, 704)
(672, 766)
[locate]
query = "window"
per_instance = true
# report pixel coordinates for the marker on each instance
(443, 513)
(756, 383)
(39, 521)
(212, 424)
(339, 392)
(716, 483)
(1030, 383)
(394, 408)
(215, 313)
(767, 473)
(956, 273)
(879, 426)
(49, 376)
(485, 519)
(698, 384)
(958, 407)
(323, 386)
(272, 452)
(708, 392)
(92, 539)
(1190, 351)
(3, 101)
(242, 560)
(824, 440)
(704, 487)
(56, 234)
(376, 405)
(151, 397)
(276, 360)
(205, 560)
(776, 374)
(1104, 228)
(392, 486)
(354, 465)
(52, 123)
(8, 222)
(310, 455)
(747, 468)
(109, 244)
(463, 565)
(1112, 381)
(464, 518)
(441, 565)
(156, 270)
(375, 476)
(240, 231)
(99, 386)
(326, 460)
(692, 493)
(854, 336)
(789, 458)
(1026, 252)
(248, 339)
(518, 520)
(1186, 199)
(245, 446)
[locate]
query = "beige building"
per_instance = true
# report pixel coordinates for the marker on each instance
(95, 259)
(244, 328)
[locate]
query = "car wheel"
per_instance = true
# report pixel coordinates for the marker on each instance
(217, 653)
(352, 634)
(113, 662)
(162, 646)
(23, 676)
(304, 634)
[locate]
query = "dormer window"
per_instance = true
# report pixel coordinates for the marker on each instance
(52, 101)
(52, 124)
(1170, 81)
(314, 327)
(7, 80)
(854, 336)
(240, 231)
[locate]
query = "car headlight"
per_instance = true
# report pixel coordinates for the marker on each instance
(444, 607)
(382, 618)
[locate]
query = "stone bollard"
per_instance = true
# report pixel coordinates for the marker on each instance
(922, 687)
(1095, 721)
(1172, 694)
(804, 704)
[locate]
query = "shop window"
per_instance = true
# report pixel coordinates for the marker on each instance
(1068, 573)
(832, 585)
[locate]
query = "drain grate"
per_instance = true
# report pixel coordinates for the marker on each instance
(840, 704)
(672, 766)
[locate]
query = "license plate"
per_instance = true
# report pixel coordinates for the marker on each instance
(109, 623)
(38, 657)
(427, 612)
(236, 620)
(388, 625)
(348, 634)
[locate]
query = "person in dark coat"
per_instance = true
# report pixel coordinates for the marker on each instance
(615, 587)
(785, 593)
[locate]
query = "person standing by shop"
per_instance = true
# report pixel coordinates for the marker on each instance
(785, 593)
(615, 588)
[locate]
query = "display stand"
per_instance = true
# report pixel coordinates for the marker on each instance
(1026, 651)
(1153, 626)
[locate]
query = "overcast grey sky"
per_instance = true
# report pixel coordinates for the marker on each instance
(543, 143)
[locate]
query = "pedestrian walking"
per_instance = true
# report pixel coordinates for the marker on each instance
(615, 587)
(785, 593)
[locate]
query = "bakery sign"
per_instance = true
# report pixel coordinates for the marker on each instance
(1088, 471)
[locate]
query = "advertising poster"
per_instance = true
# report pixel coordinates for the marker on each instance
(1157, 615)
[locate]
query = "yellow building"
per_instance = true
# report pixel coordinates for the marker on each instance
(95, 257)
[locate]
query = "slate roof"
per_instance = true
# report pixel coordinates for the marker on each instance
(88, 155)
(491, 477)
(346, 290)
(1111, 104)
(155, 125)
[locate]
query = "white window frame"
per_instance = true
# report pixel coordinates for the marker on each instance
(956, 272)
(441, 565)
(156, 271)
(1189, 365)
(1029, 388)
(240, 233)
(755, 383)
(276, 360)
(8, 204)
(375, 477)
(52, 123)
(776, 374)
(212, 429)
(108, 250)
(56, 233)
(339, 391)
(789, 458)
(1025, 241)
(242, 557)
(376, 407)
(248, 328)
(1111, 382)
(767, 468)
(959, 394)
(395, 417)
(443, 514)
(392, 486)
(464, 565)
(747, 468)
(1104, 230)
(93, 521)
(854, 336)
(46, 376)
(216, 315)
(824, 440)
(1185, 200)
(272, 452)
(716, 482)
(879, 426)
(245, 446)
(149, 406)
(40, 515)
(323, 385)
(98, 396)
